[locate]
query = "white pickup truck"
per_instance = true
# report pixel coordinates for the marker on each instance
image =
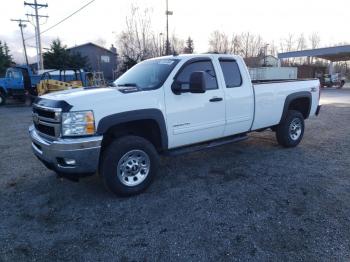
(167, 105)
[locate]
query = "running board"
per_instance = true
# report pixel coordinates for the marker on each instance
(206, 145)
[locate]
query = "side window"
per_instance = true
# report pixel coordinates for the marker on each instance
(17, 75)
(184, 77)
(9, 74)
(231, 73)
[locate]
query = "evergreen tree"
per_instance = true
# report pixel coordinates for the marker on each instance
(5, 58)
(58, 57)
(189, 46)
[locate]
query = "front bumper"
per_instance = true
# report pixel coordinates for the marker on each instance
(54, 153)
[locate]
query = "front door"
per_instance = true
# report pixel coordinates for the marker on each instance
(15, 79)
(193, 117)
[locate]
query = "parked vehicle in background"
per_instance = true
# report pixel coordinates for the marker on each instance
(58, 80)
(336, 80)
(20, 81)
(16, 82)
(168, 105)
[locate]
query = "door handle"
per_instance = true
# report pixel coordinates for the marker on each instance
(215, 99)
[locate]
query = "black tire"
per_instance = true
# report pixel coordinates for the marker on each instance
(2, 98)
(288, 135)
(116, 152)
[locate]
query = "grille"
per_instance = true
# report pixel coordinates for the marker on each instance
(47, 130)
(44, 113)
(47, 121)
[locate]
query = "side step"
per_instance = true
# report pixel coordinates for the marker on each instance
(206, 145)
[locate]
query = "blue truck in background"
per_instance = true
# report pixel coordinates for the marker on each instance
(21, 81)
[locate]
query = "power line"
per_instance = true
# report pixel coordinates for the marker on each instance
(64, 19)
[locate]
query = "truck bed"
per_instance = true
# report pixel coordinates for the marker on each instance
(270, 96)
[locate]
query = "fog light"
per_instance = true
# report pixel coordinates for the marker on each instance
(69, 162)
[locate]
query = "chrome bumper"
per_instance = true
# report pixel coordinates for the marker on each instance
(82, 154)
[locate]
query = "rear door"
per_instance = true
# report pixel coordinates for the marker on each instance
(193, 118)
(239, 96)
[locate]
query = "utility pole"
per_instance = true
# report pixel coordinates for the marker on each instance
(167, 13)
(21, 24)
(36, 7)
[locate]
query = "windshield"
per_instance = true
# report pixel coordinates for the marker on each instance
(148, 74)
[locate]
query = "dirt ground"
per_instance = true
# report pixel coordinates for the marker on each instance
(250, 201)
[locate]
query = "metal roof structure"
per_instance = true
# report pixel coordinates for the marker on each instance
(333, 54)
(92, 44)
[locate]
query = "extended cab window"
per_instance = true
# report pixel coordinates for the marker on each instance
(231, 73)
(184, 77)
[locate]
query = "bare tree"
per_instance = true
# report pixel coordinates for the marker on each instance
(301, 45)
(245, 44)
(252, 45)
(218, 42)
(236, 44)
(273, 49)
(177, 45)
(137, 41)
(315, 40)
(287, 45)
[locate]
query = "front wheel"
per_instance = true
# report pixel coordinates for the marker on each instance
(129, 165)
(291, 130)
(2, 99)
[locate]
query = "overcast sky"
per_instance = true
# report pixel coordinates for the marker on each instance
(272, 19)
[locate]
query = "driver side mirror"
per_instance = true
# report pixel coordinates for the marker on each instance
(197, 82)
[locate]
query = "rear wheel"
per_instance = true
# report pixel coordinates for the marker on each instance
(291, 130)
(129, 165)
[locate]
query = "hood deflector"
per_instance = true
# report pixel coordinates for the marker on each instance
(53, 103)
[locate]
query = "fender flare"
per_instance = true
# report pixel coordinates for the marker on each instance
(129, 116)
(290, 98)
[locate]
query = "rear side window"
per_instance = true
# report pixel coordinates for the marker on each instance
(184, 77)
(231, 73)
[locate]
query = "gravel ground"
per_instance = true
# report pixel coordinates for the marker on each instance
(251, 201)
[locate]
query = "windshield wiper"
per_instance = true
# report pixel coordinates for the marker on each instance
(128, 84)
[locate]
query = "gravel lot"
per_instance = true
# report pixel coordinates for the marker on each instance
(251, 201)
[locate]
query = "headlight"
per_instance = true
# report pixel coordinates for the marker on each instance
(78, 123)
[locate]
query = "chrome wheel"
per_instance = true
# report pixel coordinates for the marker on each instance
(133, 167)
(295, 129)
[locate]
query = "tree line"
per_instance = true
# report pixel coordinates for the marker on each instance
(5, 58)
(139, 41)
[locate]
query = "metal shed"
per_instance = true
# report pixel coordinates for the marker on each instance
(333, 54)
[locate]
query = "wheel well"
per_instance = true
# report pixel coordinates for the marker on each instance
(2, 90)
(147, 129)
(302, 105)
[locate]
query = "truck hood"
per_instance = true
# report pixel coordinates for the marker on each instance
(78, 97)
